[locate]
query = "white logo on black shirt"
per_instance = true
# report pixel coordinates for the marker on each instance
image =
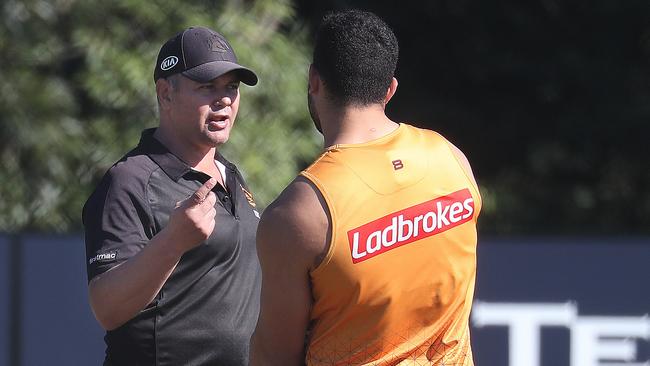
(103, 257)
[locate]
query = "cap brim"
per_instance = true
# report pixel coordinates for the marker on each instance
(212, 70)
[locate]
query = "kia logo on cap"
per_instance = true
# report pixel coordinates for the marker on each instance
(168, 63)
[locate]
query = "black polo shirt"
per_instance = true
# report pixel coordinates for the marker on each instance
(207, 310)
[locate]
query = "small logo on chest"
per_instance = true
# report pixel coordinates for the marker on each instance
(397, 164)
(251, 201)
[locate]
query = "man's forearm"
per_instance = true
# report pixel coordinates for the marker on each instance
(119, 294)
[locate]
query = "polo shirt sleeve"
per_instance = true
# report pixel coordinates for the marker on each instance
(116, 218)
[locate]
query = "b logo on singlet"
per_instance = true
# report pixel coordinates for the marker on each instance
(397, 164)
(410, 224)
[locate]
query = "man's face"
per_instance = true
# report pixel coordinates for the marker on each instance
(204, 113)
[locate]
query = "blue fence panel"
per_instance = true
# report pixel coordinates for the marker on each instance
(5, 293)
(539, 302)
(562, 302)
(58, 325)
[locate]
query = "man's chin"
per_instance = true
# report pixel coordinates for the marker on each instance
(217, 138)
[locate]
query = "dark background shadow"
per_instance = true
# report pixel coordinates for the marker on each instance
(548, 100)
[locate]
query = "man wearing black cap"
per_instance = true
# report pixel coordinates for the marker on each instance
(170, 230)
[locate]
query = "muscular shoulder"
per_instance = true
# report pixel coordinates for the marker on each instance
(464, 163)
(456, 152)
(295, 226)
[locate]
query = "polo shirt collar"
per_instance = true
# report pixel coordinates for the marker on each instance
(171, 164)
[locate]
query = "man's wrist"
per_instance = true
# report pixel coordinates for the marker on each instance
(169, 245)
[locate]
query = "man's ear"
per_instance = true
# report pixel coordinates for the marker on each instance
(392, 88)
(163, 92)
(314, 80)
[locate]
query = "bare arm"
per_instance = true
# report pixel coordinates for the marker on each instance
(291, 239)
(464, 162)
(119, 294)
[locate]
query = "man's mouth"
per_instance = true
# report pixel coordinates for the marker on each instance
(218, 122)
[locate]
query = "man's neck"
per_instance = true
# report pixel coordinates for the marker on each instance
(199, 158)
(356, 125)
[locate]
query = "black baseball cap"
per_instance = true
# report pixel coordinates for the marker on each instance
(200, 54)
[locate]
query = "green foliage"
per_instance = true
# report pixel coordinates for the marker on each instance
(76, 89)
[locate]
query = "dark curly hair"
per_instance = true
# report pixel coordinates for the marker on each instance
(355, 56)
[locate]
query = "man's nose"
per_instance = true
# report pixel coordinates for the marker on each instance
(223, 102)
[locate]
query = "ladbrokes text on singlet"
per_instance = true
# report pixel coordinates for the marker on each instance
(410, 224)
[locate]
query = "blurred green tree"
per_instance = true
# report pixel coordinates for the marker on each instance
(76, 89)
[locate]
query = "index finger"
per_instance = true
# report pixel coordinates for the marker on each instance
(200, 194)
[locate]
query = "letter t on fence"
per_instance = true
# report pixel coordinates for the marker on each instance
(524, 322)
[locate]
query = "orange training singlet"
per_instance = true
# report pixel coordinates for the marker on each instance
(397, 283)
